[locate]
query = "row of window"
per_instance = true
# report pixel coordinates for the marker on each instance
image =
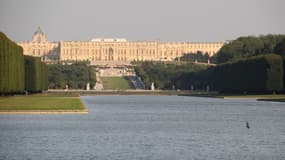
(148, 44)
(98, 58)
(119, 53)
(193, 46)
(89, 51)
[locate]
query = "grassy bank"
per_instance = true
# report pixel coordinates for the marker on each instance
(116, 83)
(273, 100)
(41, 102)
(261, 97)
(267, 97)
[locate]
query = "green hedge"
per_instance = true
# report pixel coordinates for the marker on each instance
(255, 74)
(283, 74)
(36, 74)
(11, 66)
(259, 74)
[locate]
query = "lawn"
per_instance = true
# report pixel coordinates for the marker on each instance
(273, 100)
(41, 102)
(267, 97)
(261, 97)
(116, 83)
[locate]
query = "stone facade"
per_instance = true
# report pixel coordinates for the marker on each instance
(113, 49)
(40, 47)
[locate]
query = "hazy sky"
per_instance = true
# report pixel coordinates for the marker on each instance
(165, 20)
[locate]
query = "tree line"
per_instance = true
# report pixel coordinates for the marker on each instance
(163, 75)
(18, 72)
(73, 76)
(193, 57)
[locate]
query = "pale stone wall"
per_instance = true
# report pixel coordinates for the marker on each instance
(47, 50)
(40, 47)
(113, 49)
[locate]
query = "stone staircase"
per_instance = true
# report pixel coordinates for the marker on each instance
(138, 84)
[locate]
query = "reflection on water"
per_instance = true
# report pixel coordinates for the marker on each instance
(149, 127)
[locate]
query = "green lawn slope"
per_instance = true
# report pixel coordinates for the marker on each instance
(41, 103)
(116, 83)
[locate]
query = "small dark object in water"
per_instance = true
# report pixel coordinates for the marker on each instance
(247, 125)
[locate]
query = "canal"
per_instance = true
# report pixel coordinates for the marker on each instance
(150, 127)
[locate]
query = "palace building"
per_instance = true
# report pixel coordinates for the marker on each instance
(115, 49)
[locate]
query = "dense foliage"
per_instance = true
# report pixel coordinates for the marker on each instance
(76, 76)
(192, 57)
(257, 74)
(163, 75)
(250, 46)
(11, 66)
(36, 74)
(280, 48)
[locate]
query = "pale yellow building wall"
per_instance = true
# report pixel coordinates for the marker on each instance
(44, 49)
(112, 50)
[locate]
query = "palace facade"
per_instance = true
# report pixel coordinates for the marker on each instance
(113, 49)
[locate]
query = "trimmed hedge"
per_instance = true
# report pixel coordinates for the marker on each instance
(19, 72)
(255, 74)
(36, 74)
(283, 74)
(11, 66)
(259, 74)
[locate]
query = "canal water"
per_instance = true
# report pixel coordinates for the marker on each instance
(151, 128)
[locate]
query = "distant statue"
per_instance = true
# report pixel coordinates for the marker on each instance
(208, 88)
(88, 86)
(209, 61)
(152, 86)
(66, 87)
(247, 125)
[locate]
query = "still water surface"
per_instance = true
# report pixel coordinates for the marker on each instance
(149, 127)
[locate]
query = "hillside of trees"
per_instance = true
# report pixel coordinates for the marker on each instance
(76, 76)
(244, 47)
(19, 73)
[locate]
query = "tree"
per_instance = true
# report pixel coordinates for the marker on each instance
(280, 48)
(162, 74)
(76, 76)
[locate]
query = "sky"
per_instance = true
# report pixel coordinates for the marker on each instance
(163, 20)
